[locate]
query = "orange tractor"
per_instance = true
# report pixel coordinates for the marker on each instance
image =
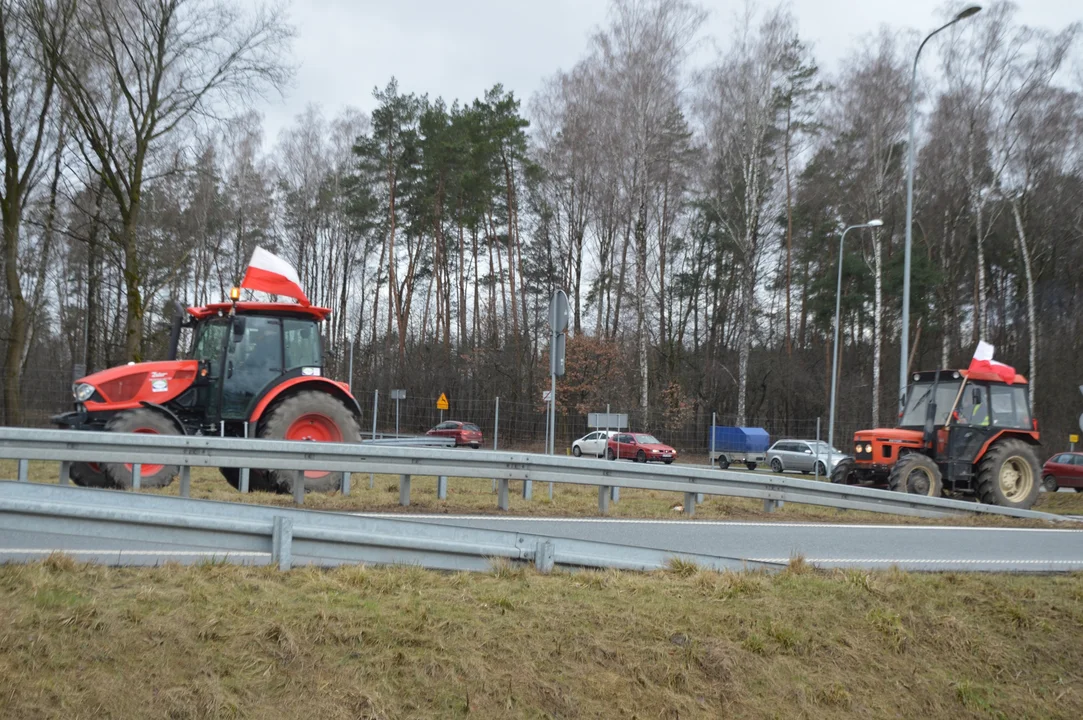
(968, 433)
(253, 370)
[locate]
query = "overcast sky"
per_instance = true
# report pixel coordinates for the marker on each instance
(460, 48)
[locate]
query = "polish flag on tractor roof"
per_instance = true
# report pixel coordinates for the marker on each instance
(272, 274)
(983, 362)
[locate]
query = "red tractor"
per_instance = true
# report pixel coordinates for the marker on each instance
(962, 432)
(253, 369)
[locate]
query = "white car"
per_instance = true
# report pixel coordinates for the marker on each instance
(592, 444)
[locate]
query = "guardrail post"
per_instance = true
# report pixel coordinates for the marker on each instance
(299, 488)
(772, 505)
(244, 480)
(614, 494)
(603, 499)
(441, 487)
(404, 490)
(544, 556)
(372, 480)
(689, 504)
(502, 500)
(137, 476)
(185, 481)
(528, 490)
(699, 498)
(282, 542)
(65, 472)
(24, 470)
(345, 483)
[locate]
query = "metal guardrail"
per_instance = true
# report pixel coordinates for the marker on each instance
(66, 446)
(117, 528)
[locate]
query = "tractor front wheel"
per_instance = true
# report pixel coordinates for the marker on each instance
(916, 474)
(1009, 474)
(144, 422)
(91, 475)
(314, 416)
(840, 475)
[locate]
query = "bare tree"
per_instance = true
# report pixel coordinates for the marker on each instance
(136, 71)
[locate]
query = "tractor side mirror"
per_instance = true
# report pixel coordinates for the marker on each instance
(238, 329)
(975, 395)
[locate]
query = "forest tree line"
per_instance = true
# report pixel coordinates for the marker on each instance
(690, 207)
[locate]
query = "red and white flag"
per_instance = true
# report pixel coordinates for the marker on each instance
(272, 274)
(983, 362)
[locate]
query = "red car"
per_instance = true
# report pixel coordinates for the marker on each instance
(639, 447)
(464, 433)
(1064, 470)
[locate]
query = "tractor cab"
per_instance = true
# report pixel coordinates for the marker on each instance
(957, 430)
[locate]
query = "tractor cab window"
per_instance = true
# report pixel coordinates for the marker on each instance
(209, 337)
(917, 402)
(254, 360)
(302, 344)
(1010, 406)
(974, 406)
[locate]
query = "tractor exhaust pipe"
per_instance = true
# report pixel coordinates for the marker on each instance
(175, 331)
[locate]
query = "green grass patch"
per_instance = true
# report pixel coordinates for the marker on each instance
(218, 641)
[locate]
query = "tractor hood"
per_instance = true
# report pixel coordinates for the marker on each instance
(129, 385)
(889, 435)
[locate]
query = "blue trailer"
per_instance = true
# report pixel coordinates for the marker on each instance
(737, 445)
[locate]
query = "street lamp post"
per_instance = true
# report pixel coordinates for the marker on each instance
(835, 351)
(905, 349)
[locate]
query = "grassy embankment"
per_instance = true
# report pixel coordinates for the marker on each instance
(218, 641)
(474, 496)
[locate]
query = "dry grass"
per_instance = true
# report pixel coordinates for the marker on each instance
(475, 496)
(219, 641)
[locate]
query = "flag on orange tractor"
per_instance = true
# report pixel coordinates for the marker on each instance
(983, 362)
(272, 274)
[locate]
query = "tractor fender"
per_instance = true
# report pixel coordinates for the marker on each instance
(1026, 436)
(291, 385)
(163, 410)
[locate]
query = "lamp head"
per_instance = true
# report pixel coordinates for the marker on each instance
(968, 11)
(875, 223)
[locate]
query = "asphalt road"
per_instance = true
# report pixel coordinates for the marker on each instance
(910, 547)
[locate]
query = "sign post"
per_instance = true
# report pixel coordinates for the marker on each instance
(558, 324)
(442, 405)
(397, 395)
(1073, 439)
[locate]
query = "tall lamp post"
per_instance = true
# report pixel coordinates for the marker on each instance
(835, 351)
(905, 350)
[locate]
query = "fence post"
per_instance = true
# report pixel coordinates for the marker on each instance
(404, 490)
(496, 424)
(24, 470)
(817, 468)
(714, 421)
(441, 487)
(502, 500)
(186, 481)
(281, 542)
(137, 476)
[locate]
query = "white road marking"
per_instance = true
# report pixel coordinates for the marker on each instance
(926, 561)
(727, 523)
(186, 553)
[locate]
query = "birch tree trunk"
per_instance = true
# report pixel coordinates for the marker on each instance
(1032, 316)
(878, 319)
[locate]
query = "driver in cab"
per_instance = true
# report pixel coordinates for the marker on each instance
(973, 410)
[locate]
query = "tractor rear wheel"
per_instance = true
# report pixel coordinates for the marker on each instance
(144, 422)
(1009, 474)
(315, 416)
(840, 475)
(86, 474)
(916, 474)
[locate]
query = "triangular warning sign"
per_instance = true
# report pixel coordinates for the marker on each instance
(441, 404)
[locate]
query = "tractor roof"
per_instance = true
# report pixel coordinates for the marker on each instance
(260, 308)
(945, 375)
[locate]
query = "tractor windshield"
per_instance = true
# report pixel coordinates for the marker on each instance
(917, 402)
(210, 336)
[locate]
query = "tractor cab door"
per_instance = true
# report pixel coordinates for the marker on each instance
(253, 360)
(210, 343)
(970, 428)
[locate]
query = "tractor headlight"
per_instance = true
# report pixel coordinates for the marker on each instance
(868, 448)
(82, 392)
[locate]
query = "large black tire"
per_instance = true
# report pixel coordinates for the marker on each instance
(257, 479)
(916, 474)
(576, 451)
(723, 462)
(750, 466)
(842, 472)
(776, 465)
(309, 414)
(144, 421)
(1049, 483)
(821, 469)
(1009, 475)
(89, 475)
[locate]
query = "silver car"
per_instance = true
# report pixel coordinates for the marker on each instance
(592, 444)
(805, 456)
